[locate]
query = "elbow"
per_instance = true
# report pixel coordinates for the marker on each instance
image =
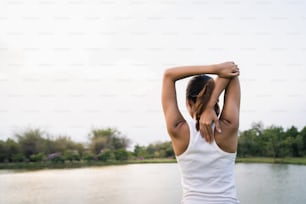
(234, 125)
(231, 124)
(168, 74)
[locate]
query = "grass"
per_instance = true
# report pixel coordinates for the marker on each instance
(80, 164)
(77, 164)
(286, 160)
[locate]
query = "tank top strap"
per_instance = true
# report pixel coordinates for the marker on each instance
(192, 131)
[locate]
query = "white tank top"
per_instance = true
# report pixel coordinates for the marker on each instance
(207, 172)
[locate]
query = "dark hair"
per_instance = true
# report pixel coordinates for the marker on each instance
(199, 90)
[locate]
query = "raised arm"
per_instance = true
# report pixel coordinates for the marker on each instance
(229, 118)
(209, 115)
(231, 108)
(173, 116)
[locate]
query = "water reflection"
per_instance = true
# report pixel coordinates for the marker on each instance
(271, 183)
(145, 183)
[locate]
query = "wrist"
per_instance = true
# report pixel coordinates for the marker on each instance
(215, 68)
(210, 105)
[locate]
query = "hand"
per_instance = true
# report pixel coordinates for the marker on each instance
(207, 117)
(227, 69)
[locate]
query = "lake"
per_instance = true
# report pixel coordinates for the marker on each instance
(145, 184)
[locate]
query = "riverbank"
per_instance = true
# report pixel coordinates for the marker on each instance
(288, 160)
(77, 164)
(80, 164)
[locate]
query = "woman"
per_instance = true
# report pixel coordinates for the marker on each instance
(206, 157)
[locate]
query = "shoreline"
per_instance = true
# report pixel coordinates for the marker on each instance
(271, 160)
(76, 164)
(83, 164)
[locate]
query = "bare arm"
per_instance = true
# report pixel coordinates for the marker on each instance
(175, 122)
(229, 118)
(173, 116)
(231, 107)
(209, 115)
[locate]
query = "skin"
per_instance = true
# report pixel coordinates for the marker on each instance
(226, 126)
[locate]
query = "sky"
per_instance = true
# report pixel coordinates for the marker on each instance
(71, 66)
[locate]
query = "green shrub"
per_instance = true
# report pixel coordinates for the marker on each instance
(37, 157)
(88, 156)
(121, 155)
(106, 155)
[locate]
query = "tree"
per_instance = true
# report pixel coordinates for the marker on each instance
(64, 143)
(303, 136)
(291, 145)
(275, 141)
(121, 154)
(140, 152)
(106, 155)
(88, 156)
(31, 142)
(72, 155)
(13, 151)
(247, 143)
(257, 127)
(37, 157)
(108, 138)
(3, 151)
(160, 150)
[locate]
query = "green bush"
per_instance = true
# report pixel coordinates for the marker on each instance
(56, 157)
(106, 155)
(121, 155)
(37, 157)
(72, 155)
(88, 156)
(18, 157)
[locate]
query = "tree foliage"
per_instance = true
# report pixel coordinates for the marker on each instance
(106, 145)
(108, 138)
(272, 141)
(154, 150)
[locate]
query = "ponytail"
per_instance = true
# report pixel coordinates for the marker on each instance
(202, 100)
(199, 91)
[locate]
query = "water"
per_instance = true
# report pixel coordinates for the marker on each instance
(145, 184)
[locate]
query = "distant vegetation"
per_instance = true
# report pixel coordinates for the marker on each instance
(272, 141)
(106, 145)
(109, 145)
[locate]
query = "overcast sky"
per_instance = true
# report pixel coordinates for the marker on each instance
(69, 66)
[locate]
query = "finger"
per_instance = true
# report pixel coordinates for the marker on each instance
(234, 74)
(209, 131)
(201, 130)
(234, 69)
(205, 134)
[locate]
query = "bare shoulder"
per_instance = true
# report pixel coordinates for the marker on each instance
(229, 118)
(227, 140)
(180, 138)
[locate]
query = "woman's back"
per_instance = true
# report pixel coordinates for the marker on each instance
(207, 171)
